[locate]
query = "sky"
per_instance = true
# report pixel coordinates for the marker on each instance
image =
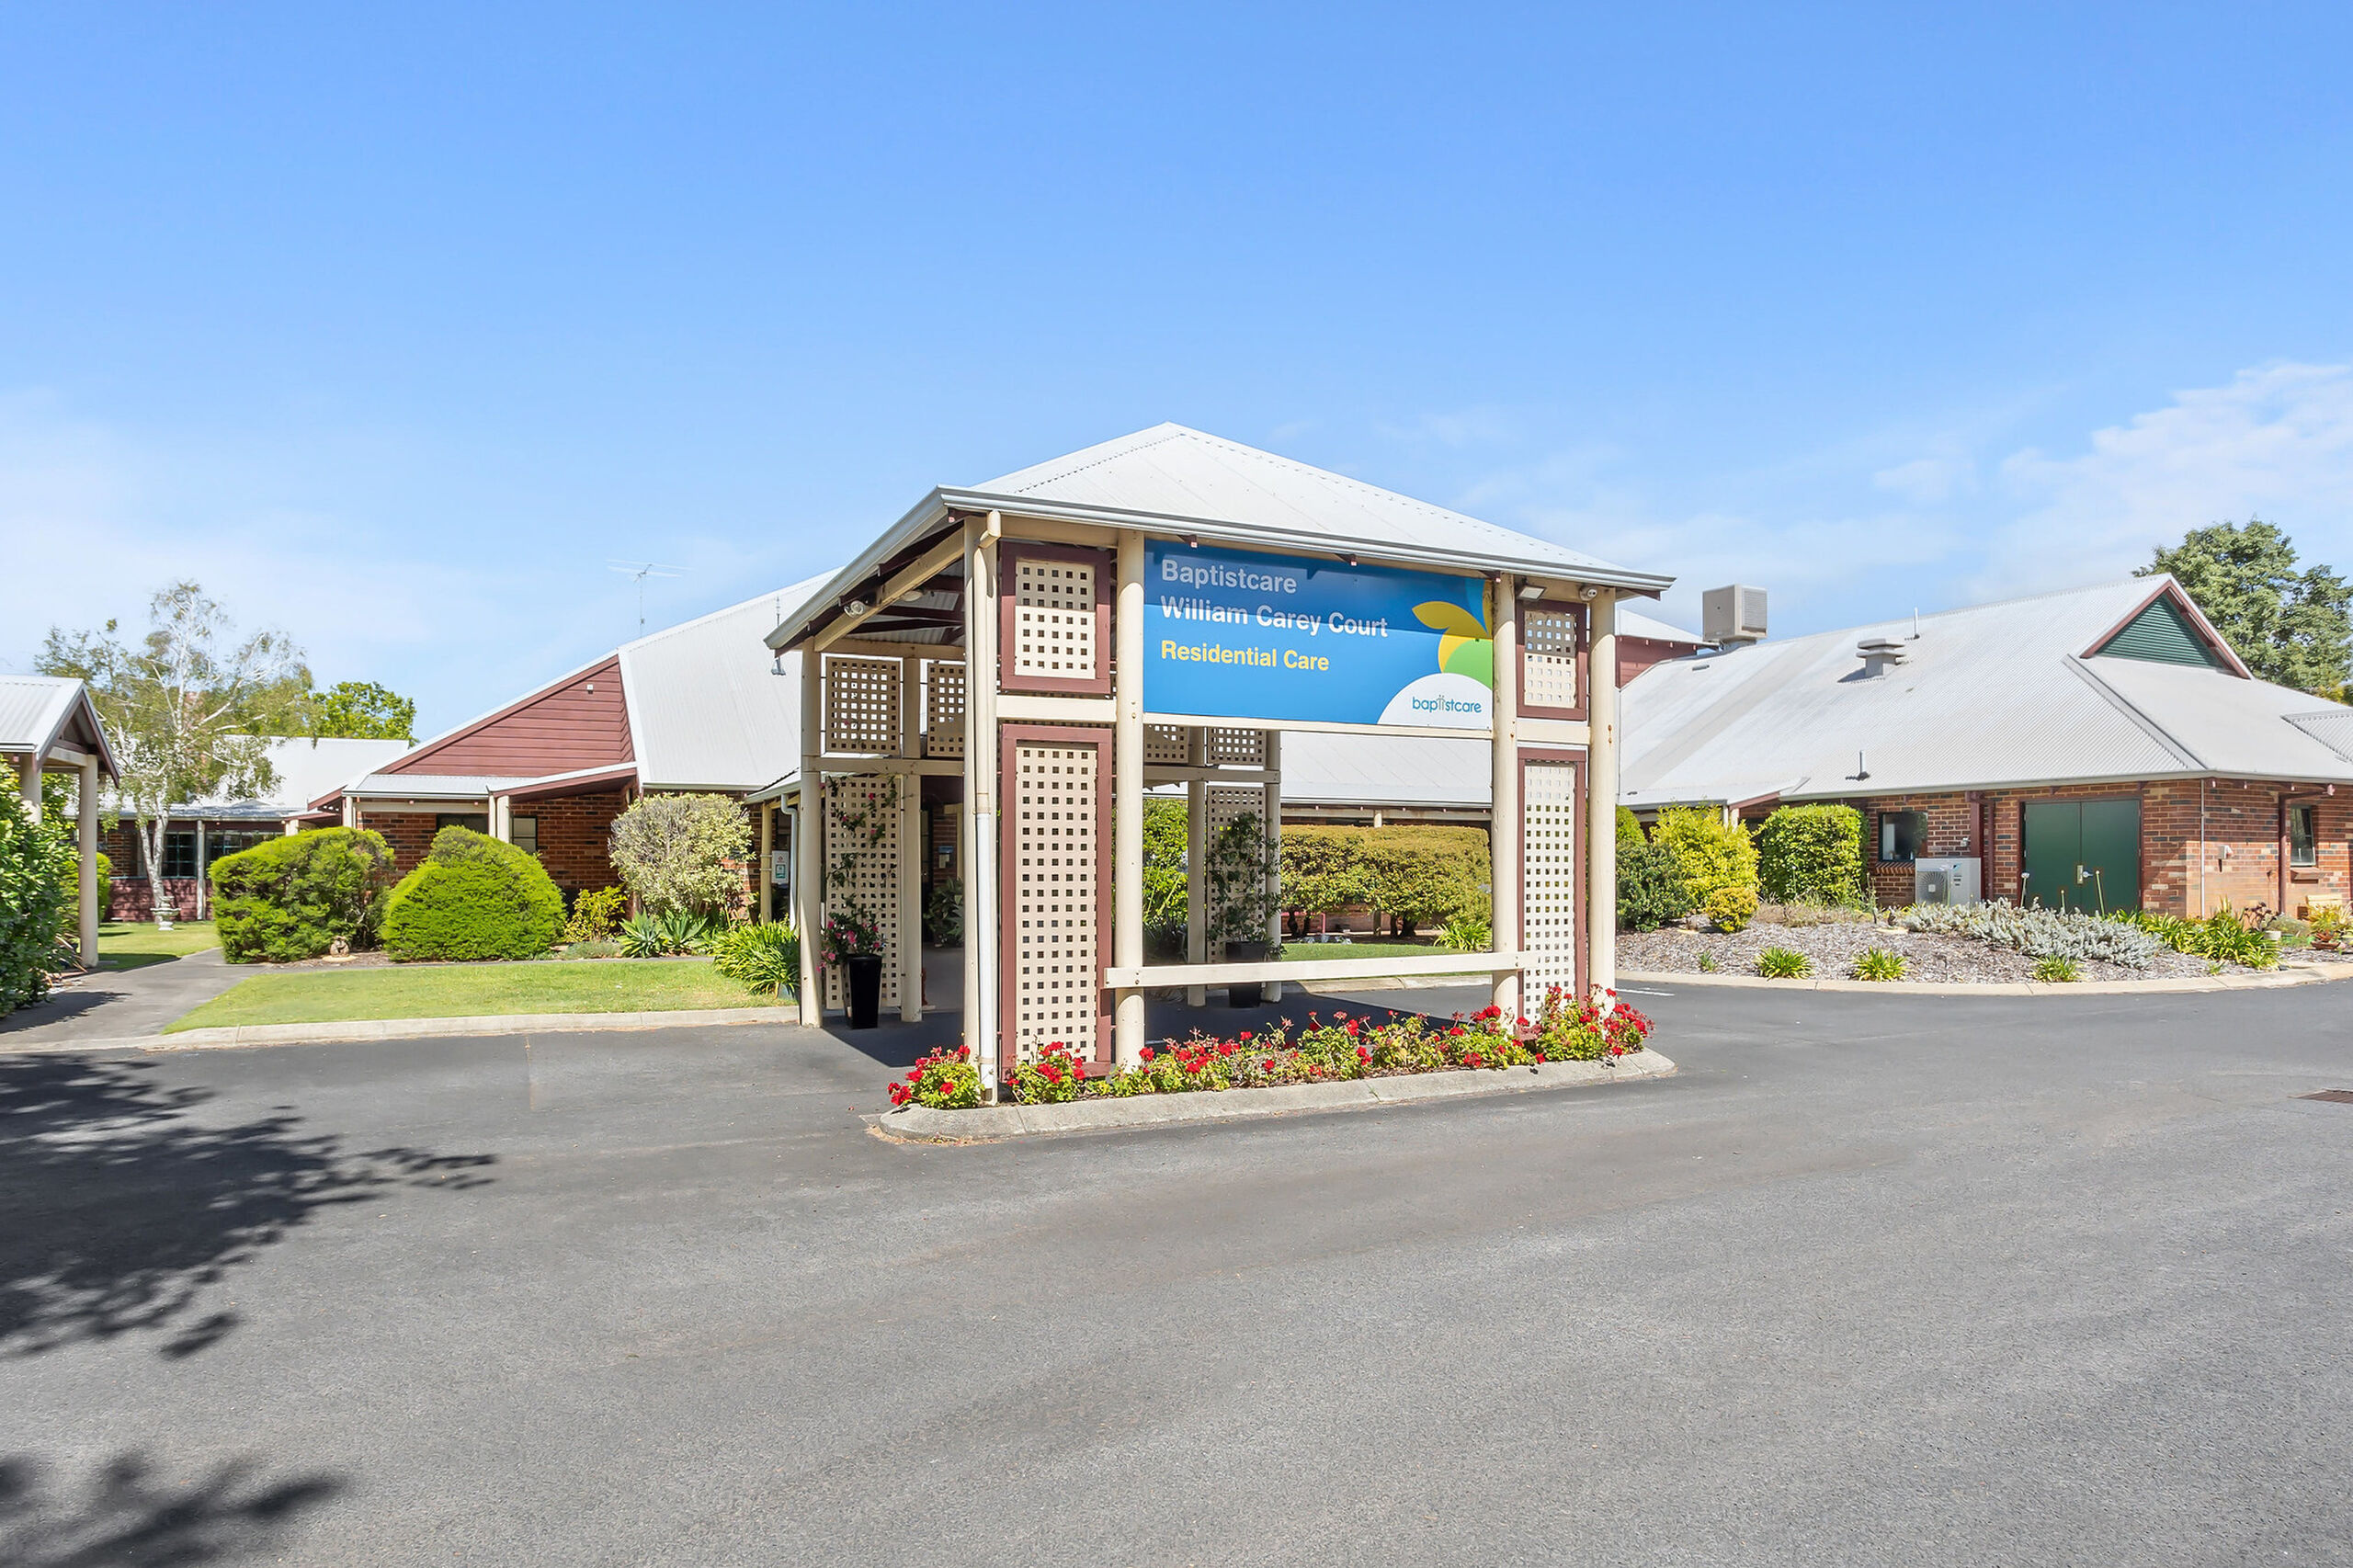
(397, 328)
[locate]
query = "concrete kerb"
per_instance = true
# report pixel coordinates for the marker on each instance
(2299, 974)
(408, 1028)
(992, 1124)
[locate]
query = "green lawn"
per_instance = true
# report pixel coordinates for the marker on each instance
(135, 944)
(460, 991)
(1295, 952)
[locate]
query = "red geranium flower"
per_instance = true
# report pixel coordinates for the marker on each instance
(1145, 1053)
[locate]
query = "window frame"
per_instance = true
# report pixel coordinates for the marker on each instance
(1919, 835)
(2303, 853)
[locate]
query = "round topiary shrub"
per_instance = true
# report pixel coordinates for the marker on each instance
(472, 898)
(292, 898)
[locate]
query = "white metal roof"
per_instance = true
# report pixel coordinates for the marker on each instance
(1173, 480)
(35, 711)
(706, 708)
(1386, 770)
(306, 768)
(1993, 695)
(1631, 623)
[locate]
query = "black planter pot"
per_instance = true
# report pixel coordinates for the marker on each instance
(1246, 952)
(862, 977)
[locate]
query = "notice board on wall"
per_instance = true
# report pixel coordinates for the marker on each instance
(1234, 634)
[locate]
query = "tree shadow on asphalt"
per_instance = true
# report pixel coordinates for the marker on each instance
(118, 1207)
(127, 1516)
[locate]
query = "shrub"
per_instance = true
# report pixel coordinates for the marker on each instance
(1425, 875)
(943, 916)
(1812, 855)
(1323, 869)
(1730, 909)
(69, 924)
(597, 949)
(654, 933)
(2327, 930)
(1164, 874)
(472, 898)
(1649, 888)
(2037, 933)
(36, 862)
(2223, 935)
(673, 851)
(2057, 970)
(1710, 852)
(1630, 829)
(293, 898)
(765, 955)
(1879, 963)
(1472, 933)
(1783, 963)
(942, 1081)
(595, 915)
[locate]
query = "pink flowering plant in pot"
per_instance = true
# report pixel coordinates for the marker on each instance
(849, 934)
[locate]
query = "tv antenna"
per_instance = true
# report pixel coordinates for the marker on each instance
(641, 570)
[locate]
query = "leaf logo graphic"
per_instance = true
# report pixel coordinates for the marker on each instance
(1465, 647)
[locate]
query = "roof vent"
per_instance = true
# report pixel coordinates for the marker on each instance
(1732, 615)
(1880, 654)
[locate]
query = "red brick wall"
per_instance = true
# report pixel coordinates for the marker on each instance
(575, 837)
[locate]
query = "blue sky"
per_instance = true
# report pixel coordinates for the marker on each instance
(395, 330)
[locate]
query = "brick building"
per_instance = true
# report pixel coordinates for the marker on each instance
(2101, 748)
(700, 708)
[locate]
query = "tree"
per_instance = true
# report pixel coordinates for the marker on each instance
(1165, 903)
(190, 710)
(674, 851)
(364, 710)
(2291, 627)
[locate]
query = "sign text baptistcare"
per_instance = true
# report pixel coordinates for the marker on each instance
(1231, 634)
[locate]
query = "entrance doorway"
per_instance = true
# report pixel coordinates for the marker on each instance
(2083, 855)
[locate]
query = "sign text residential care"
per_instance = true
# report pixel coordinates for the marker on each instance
(1230, 633)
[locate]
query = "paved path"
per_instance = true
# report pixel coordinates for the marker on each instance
(112, 1004)
(1872, 1280)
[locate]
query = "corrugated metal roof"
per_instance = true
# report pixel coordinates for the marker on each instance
(306, 768)
(706, 707)
(1631, 623)
(1996, 694)
(433, 786)
(31, 707)
(2332, 728)
(1385, 770)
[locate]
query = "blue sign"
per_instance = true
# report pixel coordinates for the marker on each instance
(1232, 634)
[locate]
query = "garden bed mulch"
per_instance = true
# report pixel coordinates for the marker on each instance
(1835, 947)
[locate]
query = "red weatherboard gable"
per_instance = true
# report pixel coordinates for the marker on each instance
(559, 728)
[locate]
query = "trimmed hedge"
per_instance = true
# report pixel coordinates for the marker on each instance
(1812, 855)
(292, 898)
(473, 898)
(1651, 892)
(1417, 875)
(37, 869)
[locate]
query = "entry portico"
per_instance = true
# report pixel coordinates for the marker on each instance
(48, 723)
(1156, 610)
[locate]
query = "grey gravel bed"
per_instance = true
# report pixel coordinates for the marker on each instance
(1834, 948)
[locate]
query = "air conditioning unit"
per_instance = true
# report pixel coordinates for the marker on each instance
(1732, 615)
(1951, 879)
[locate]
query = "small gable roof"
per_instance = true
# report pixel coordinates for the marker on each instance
(2169, 628)
(38, 712)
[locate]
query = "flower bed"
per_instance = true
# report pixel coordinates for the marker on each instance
(1326, 1050)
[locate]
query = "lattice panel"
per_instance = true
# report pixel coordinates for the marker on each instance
(944, 708)
(1246, 748)
(1164, 745)
(1053, 621)
(862, 705)
(1057, 953)
(1551, 667)
(1226, 803)
(862, 826)
(1549, 916)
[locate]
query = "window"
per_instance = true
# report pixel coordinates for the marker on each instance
(477, 821)
(1901, 834)
(220, 843)
(2303, 841)
(525, 834)
(179, 854)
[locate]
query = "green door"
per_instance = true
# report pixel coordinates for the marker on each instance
(2083, 855)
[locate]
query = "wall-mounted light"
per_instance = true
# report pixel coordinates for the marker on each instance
(1531, 590)
(1192, 541)
(1350, 559)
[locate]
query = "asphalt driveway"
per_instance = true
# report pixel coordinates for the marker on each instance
(1874, 1280)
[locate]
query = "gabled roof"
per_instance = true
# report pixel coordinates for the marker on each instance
(1173, 481)
(1995, 695)
(707, 709)
(307, 767)
(1631, 624)
(37, 713)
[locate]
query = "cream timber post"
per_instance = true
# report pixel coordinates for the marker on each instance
(982, 904)
(1272, 755)
(1601, 799)
(1197, 829)
(85, 811)
(910, 787)
(767, 850)
(28, 786)
(807, 872)
(1127, 804)
(1505, 830)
